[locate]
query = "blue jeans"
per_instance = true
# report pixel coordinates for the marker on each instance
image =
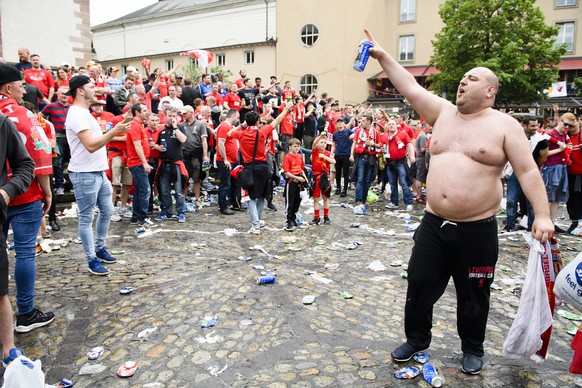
(92, 189)
(364, 178)
(166, 186)
(227, 191)
(398, 172)
(255, 207)
(513, 193)
(25, 220)
(141, 193)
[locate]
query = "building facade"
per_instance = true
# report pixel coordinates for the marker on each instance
(58, 30)
(310, 43)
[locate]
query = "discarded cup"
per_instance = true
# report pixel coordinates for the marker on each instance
(308, 299)
(409, 372)
(126, 290)
(90, 369)
(95, 353)
(63, 383)
(351, 246)
(209, 323)
(127, 369)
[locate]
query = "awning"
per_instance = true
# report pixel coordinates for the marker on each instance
(571, 64)
(416, 71)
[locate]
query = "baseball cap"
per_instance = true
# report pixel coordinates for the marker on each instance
(132, 69)
(179, 76)
(9, 73)
(99, 102)
(90, 63)
(187, 108)
(112, 69)
(76, 82)
(65, 64)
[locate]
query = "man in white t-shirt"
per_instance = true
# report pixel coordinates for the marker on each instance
(87, 171)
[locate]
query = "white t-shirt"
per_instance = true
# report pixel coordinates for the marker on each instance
(80, 119)
(176, 102)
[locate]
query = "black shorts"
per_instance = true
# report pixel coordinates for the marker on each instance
(3, 265)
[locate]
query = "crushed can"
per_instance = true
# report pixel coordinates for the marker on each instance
(141, 229)
(363, 55)
(409, 372)
(266, 279)
(432, 376)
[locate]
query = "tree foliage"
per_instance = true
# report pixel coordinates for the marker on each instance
(508, 36)
(578, 83)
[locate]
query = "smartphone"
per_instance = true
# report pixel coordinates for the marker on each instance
(128, 119)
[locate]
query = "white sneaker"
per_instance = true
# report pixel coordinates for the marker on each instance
(127, 213)
(254, 231)
(262, 224)
(116, 217)
(149, 223)
(408, 208)
(391, 206)
(60, 191)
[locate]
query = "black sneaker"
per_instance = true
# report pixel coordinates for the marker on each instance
(289, 227)
(337, 192)
(326, 221)
(271, 206)
(557, 229)
(472, 364)
(315, 221)
(54, 226)
(32, 320)
(404, 352)
(573, 226)
(344, 194)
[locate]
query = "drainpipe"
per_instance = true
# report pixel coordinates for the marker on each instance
(266, 20)
(124, 53)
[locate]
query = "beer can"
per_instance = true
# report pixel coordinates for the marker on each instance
(141, 229)
(108, 126)
(431, 375)
(363, 55)
(164, 144)
(266, 279)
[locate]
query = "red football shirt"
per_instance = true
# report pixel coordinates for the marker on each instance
(136, 133)
(230, 145)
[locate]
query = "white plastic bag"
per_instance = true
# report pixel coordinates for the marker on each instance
(568, 285)
(533, 316)
(24, 373)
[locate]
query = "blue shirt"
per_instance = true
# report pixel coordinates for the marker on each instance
(343, 143)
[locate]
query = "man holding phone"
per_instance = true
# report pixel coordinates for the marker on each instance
(87, 172)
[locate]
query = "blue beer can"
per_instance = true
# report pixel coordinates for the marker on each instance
(363, 55)
(431, 375)
(108, 126)
(266, 279)
(164, 144)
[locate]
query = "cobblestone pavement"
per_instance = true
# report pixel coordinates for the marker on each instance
(264, 335)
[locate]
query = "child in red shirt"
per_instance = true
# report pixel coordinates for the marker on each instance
(321, 185)
(293, 170)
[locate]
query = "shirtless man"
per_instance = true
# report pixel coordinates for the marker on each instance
(458, 235)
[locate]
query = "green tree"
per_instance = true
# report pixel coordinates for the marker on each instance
(193, 71)
(578, 83)
(508, 36)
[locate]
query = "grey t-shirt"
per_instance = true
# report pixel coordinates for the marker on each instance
(194, 133)
(421, 141)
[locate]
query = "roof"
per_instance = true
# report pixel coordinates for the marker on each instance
(168, 7)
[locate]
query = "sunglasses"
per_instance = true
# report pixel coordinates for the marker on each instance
(569, 125)
(264, 123)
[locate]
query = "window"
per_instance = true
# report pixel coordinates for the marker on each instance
(308, 83)
(309, 34)
(169, 64)
(566, 3)
(194, 62)
(566, 35)
(124, 69)
(406, 51)
(407, 10)
(221, 59)
(249, 57)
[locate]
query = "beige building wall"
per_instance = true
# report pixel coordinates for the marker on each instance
(57, 30)
(341, 24)
(556, 14)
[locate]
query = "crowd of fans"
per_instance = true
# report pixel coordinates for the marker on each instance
(164, 134)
